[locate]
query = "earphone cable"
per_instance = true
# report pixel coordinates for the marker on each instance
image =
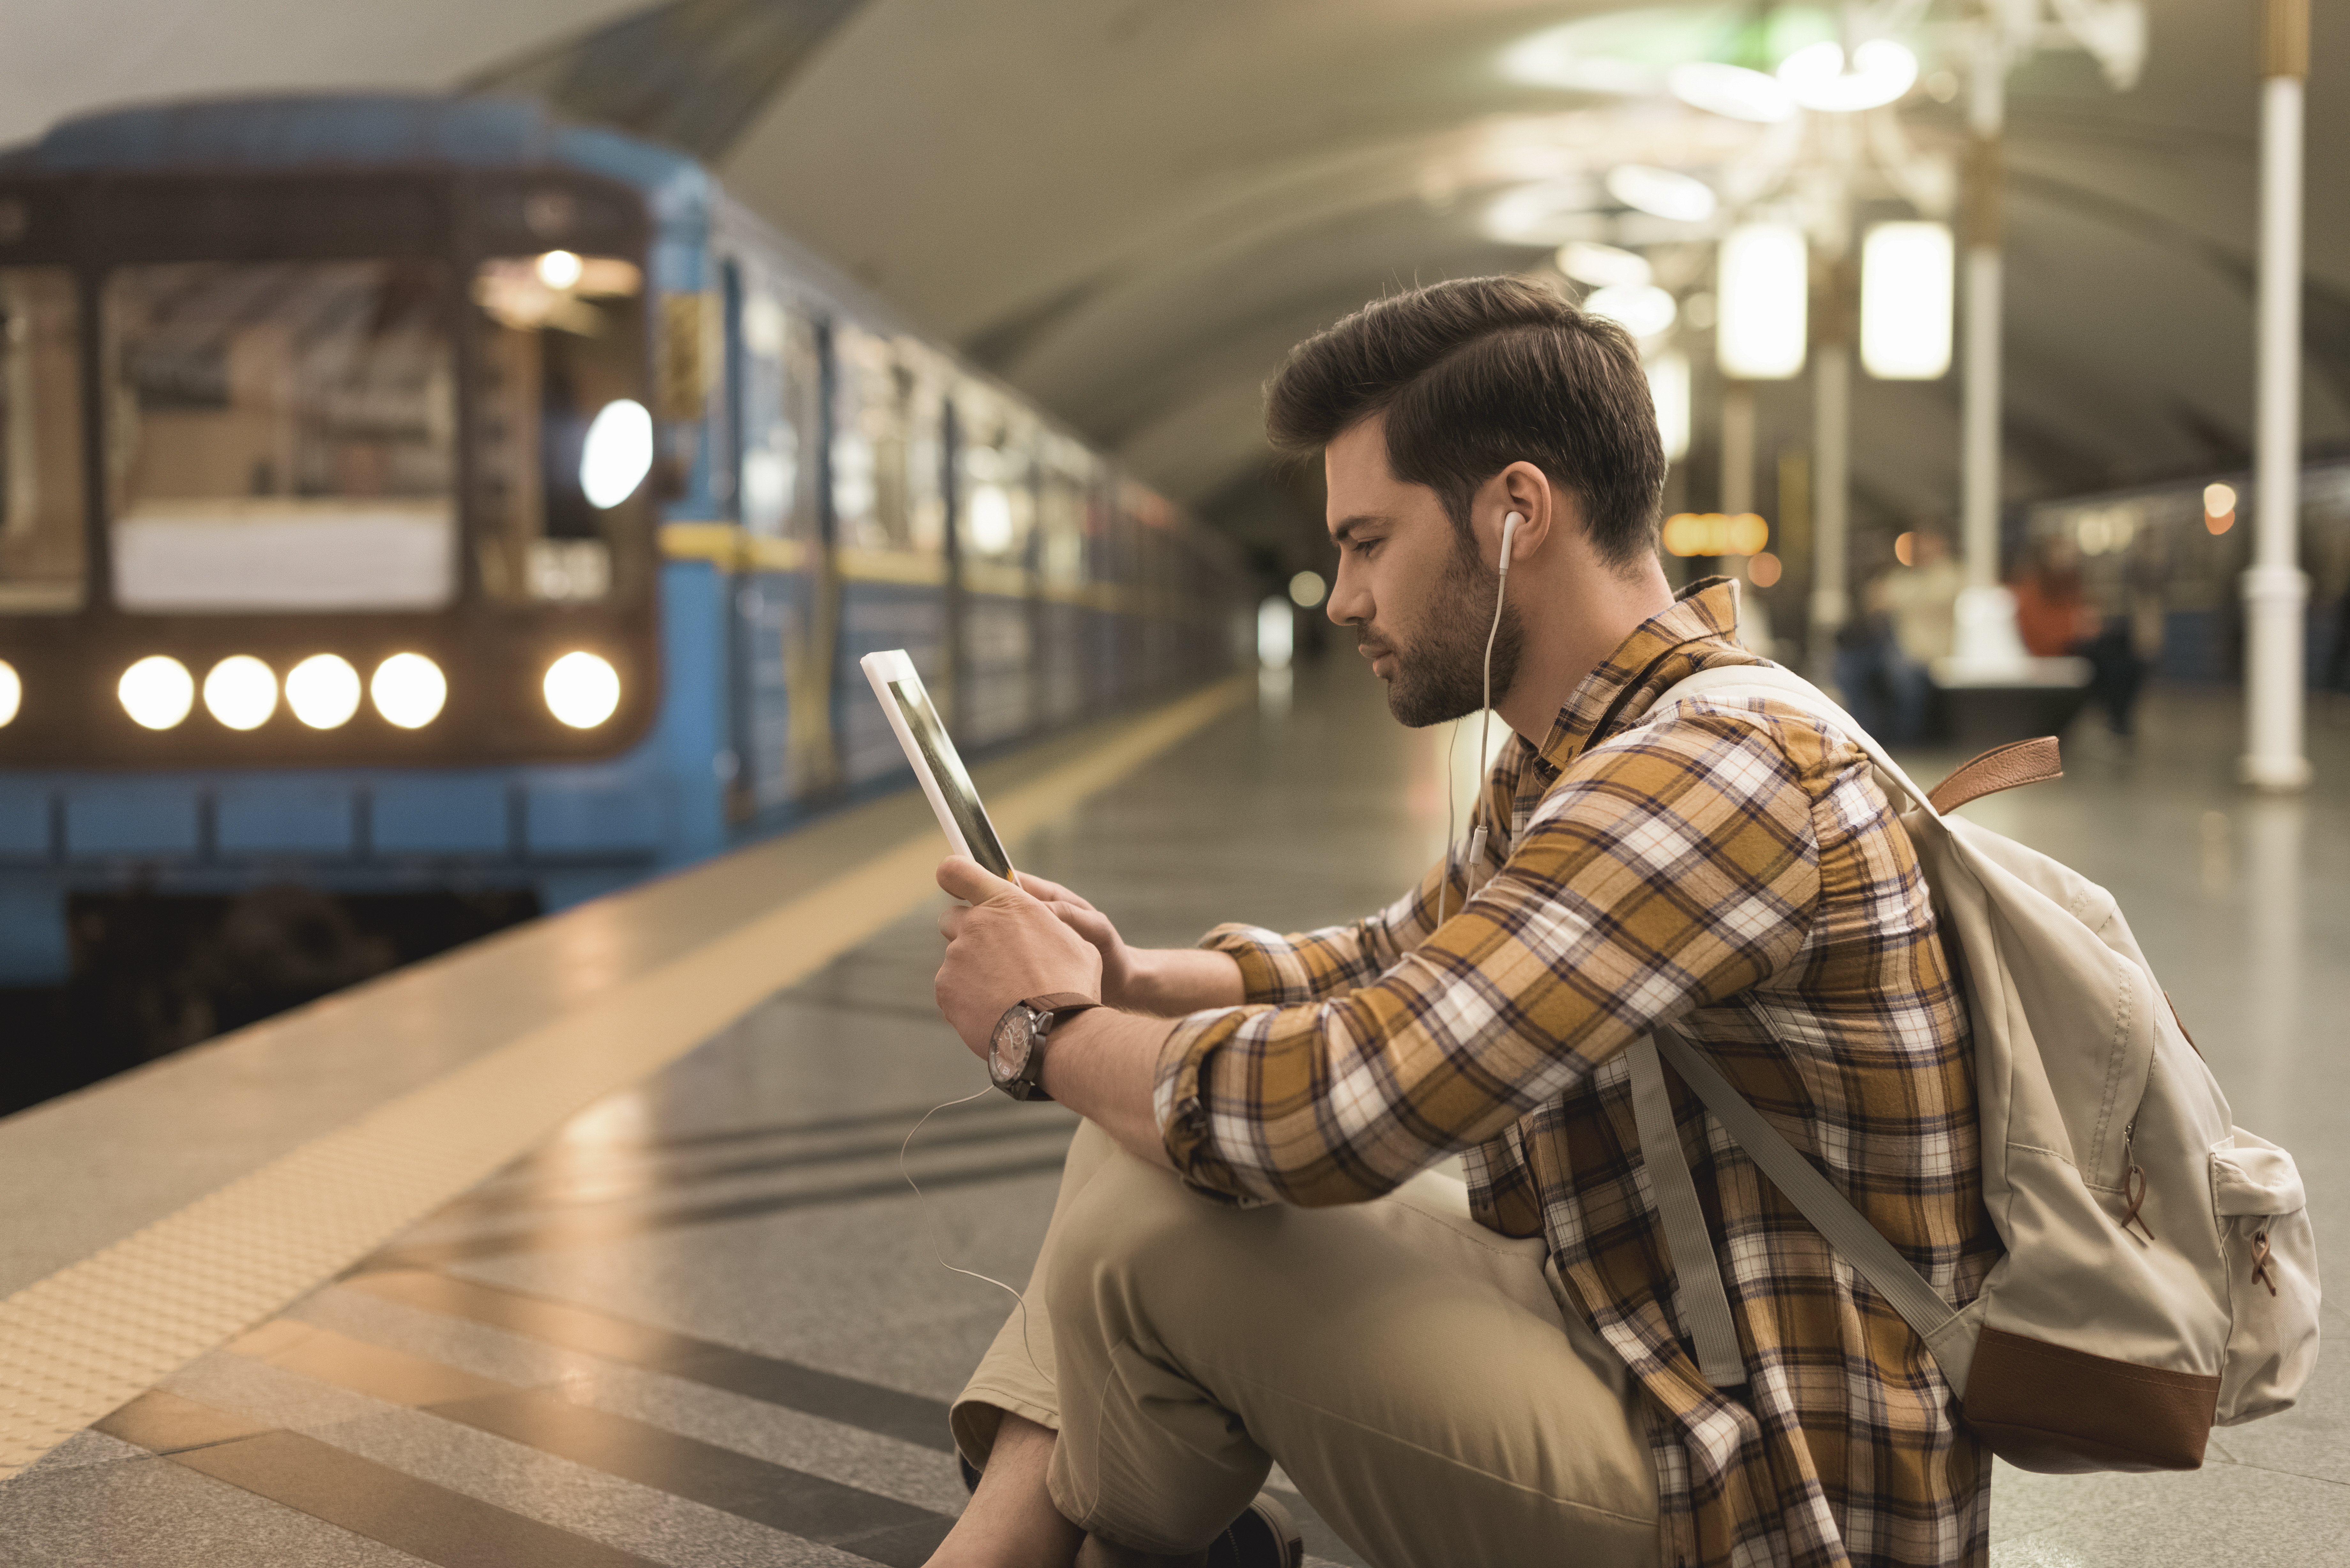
(929, 1231)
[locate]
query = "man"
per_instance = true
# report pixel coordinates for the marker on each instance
(1250, 1260)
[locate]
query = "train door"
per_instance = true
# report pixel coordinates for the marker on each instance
(996, 540)
(1065, 484)
(784, 601)
(887, 467)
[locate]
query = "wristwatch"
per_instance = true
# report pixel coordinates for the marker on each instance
(1015, 1052)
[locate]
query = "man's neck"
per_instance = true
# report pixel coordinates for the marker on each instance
(1575, 615)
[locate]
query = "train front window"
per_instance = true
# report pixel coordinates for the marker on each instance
(40, 442)
(282, 436)
(563, 442)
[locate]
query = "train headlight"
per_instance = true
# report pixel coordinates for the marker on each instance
(157, 691)
(323, 691)
(241, 691)
(409, 690)
(617, 453)
(582, 690)
(11, 692)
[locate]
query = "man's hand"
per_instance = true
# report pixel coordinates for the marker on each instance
(1006, 946)
(1120, 969)
(1166, 982)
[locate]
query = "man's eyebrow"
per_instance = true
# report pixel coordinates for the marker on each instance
(1347, 527)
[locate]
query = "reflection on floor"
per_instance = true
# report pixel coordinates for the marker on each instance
(709, 1324)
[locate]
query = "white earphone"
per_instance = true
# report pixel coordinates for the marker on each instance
(1484, 729)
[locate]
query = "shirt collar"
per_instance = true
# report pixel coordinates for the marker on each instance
(1655, 655)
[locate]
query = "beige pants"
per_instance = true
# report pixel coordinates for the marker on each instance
(1409, 1369)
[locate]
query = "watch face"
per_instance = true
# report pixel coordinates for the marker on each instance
(1007, 1050)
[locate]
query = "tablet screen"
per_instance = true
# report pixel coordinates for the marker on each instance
(946, 767)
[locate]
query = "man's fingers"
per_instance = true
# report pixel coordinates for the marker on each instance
(1050, 892)
(969, 880)
(952, 921)
(1088, 923)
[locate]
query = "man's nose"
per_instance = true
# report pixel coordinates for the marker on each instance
(1350, 601)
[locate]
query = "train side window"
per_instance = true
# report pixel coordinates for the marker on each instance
(996, 468)
(563, 438)
(777, 418)
(281, 436)
(887, 452)
(1064, 486)
(41, 498)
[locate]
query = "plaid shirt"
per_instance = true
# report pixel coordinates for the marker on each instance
(1731, 867)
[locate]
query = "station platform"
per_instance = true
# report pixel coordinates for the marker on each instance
(588, 1244)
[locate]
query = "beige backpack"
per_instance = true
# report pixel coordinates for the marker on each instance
(2160, 1275)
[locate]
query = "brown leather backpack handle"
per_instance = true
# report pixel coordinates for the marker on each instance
(2002, 767)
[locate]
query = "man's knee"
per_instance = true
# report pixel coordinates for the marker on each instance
(1130, 1224)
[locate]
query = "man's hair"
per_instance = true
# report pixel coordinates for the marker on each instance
(1475, 374)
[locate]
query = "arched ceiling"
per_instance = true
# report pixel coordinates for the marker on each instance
(1131, 207)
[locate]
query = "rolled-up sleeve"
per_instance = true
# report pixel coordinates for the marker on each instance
(1665, 870)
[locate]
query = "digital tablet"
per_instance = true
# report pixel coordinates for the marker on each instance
(952, 799)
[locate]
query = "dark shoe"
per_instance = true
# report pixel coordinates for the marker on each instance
(1263, 1536)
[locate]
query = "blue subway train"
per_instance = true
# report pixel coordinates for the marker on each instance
(409, 497)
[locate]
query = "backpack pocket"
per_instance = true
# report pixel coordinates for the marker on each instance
(2269, 1254)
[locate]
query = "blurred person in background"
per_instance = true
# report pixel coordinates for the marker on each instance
(2051, 614)
(2055, 618)
(1869, 665)
(1878, 668)
(1921, 596)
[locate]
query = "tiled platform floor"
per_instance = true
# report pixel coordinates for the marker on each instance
(709, 1324)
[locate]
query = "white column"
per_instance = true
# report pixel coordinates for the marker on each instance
(1987, 645)
(1831, 488)
(2274, 588)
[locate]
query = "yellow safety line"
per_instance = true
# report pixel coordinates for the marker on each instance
(98, 1332)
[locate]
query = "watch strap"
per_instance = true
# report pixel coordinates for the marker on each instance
(1059, 1002)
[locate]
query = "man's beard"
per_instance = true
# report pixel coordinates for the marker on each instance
(1441, 675)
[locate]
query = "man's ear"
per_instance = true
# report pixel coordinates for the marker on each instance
(1526, 490)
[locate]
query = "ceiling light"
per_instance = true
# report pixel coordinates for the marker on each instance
(616, 454)
(1641, 309)
(12, 693)
(1599, 266)
(1661, 192)
(1905, 301)
(241, 691)
(157, 691)
(1732, 91)
(1815, 77)
(1764, 291)
(582, 690)
(1307, 588)
(1547, 213)
(409, 690)
(560, 269)
(323, 691)
(2219, 500)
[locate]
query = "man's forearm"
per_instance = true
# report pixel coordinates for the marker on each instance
(1172, 982)
(1102, 1065)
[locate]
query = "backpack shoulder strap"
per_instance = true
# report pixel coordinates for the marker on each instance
(1831, 1213)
